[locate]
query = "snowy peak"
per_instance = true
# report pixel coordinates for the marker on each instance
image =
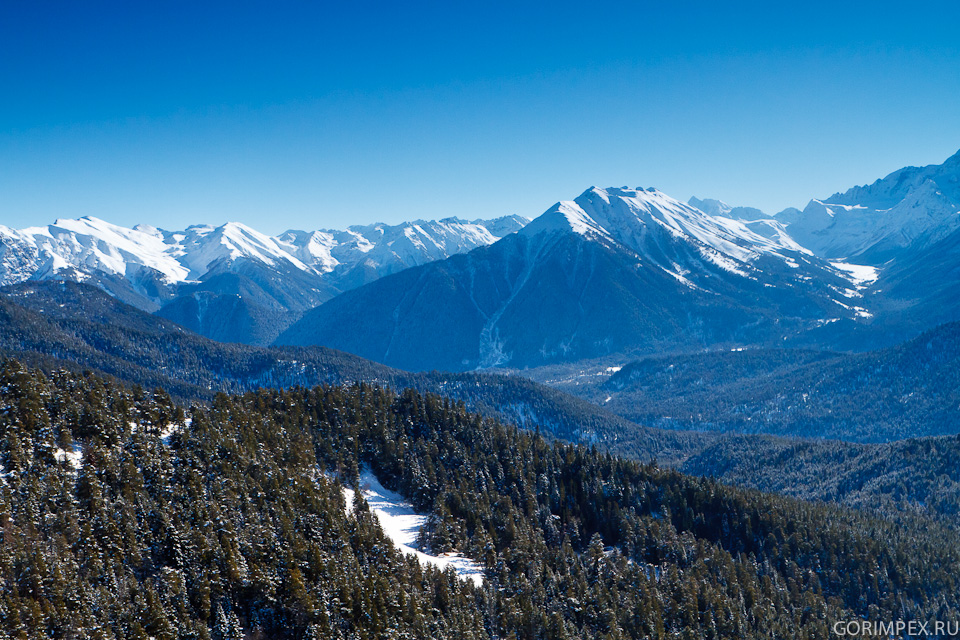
(200, 247)
(565, 217)
(639, 218)
(911, 207)
(710, 206)
(383, 248)
(85, 247)
(89, 245)
(894, 188)
(504, 225)
(687, 243)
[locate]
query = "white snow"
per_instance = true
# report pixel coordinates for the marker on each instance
(90, 245)
(173, 428)
(402, 525)
(859, 275)
(73, 457)
(680, 275)
(912, 206)
(565, 216)
(632, 218)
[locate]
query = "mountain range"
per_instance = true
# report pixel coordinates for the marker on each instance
(623, 271)
(615, 273)
(138, 498)
(231, 282)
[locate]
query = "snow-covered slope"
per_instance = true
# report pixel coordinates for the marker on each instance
(201, 246)
(79, 249)
(722, 209)
(231, 282)
(361, 254)
(913, 208)
(401, 523)
(86, 245)
(646, 220)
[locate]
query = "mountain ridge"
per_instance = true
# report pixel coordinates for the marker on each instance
(75, 326)
(873, 223)
(196, 275)
(618, 270)
(861, 269)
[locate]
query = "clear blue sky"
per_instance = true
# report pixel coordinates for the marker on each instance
(308, 115)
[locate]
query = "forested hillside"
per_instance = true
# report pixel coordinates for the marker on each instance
(220, 522)
(905, 391)
(918, 476)
(55, 325)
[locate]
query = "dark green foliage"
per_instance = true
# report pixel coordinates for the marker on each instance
(86, 329)
(229, 526)
(226, 528)
(906, 391)
(918, 476)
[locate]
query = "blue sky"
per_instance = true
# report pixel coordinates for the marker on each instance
(308, 115)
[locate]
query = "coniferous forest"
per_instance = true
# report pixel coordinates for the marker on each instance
(124, 515)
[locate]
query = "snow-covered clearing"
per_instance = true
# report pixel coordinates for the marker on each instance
(402, 525)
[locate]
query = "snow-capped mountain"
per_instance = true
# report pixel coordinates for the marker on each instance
(361, 254)
(196, 275)
(615, 270)
(90, 245)
(637, 218)
(901, 237)
(86, 246)
(865, 268)
(911, 208)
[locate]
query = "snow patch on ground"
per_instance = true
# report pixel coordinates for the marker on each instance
(73, 457)
(173, 428)
(402, 525)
